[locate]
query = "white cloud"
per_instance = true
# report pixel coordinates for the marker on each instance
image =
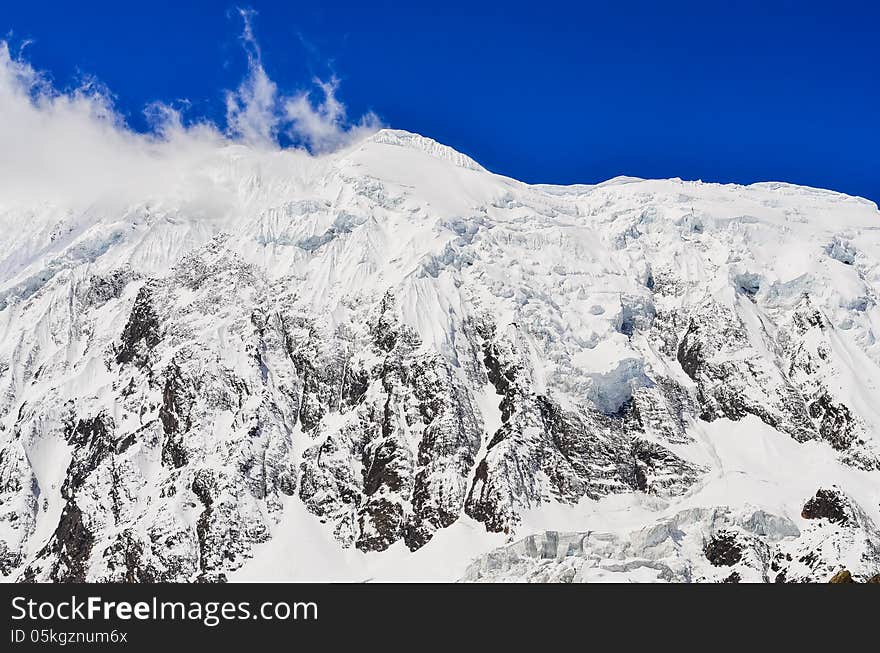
(323, 127)
(256, 113)
(73, 145)
(252, 109)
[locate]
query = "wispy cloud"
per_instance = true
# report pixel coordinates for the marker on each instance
(257, 113)
(252, 109)
(323, 126)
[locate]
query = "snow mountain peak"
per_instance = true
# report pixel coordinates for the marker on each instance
(387, 361)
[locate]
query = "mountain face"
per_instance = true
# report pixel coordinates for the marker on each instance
(388, 357)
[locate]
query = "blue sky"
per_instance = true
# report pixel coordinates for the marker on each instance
(561, 92)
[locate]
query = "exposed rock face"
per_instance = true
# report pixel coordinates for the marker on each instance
(401, 343)
(733, 378)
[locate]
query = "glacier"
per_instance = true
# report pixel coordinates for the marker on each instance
(389, 363)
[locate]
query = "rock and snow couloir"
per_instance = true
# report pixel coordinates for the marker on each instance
(390, 363)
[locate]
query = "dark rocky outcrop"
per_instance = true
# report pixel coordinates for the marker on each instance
(141, 333)
(842, 577)
(723, 550)
(70, 546)
(827, 504)
(177, 400)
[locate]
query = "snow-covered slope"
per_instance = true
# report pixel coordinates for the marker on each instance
(388, 362)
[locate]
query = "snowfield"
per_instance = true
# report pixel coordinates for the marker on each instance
(388, 363)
